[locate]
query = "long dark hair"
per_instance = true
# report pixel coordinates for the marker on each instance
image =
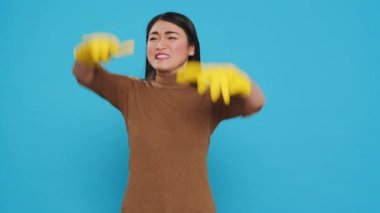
(181, 21)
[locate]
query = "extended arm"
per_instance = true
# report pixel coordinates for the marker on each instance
(95, 49)
(255, 101)
(241, 95)
(84, 72)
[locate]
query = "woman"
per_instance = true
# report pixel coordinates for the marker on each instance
(169, 124)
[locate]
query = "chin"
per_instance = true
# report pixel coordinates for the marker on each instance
(168, 66)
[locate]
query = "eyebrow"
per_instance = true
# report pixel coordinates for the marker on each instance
(166, 33)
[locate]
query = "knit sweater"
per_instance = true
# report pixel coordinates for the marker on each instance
(169, 127)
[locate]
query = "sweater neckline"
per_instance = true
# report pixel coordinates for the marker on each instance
(168, 80)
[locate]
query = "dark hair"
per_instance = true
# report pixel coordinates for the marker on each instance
(181, 21)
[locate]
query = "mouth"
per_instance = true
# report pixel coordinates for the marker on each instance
(162, 56)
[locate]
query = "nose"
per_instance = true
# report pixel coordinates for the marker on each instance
(160, 44)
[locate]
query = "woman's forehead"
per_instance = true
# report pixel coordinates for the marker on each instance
(165, 27)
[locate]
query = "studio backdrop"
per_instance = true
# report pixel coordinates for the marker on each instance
(313, 148)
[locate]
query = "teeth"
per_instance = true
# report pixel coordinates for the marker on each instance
(162, 56)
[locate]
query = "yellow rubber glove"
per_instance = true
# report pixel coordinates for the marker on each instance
(100, 47)
(225, 79)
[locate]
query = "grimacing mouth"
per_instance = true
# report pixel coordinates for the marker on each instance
(162, 56)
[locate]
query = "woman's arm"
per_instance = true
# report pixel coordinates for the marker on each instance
(84, 72)
(241, 106)
(95, 49)
(255, 101)
(232, 91)
(111, 86)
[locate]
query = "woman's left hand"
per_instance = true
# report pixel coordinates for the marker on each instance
(220, 78)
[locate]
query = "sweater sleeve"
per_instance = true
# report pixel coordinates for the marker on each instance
(110, 86)
(234, 109)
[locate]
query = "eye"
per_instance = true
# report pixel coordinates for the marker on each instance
(152, 38)
(172, 38)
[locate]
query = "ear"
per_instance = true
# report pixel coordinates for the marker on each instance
(192, 50)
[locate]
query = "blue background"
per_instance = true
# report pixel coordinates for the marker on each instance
(313, 148)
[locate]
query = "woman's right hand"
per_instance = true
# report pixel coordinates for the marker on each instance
(97, 48)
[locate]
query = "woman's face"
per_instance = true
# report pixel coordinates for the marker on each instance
(167, 47)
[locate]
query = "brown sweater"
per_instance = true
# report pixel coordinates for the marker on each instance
(169, 127)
